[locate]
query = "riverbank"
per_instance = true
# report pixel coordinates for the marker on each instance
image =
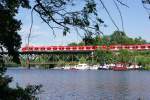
(94, 67)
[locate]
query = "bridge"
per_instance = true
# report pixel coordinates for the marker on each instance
(83, 48)
(52, 55)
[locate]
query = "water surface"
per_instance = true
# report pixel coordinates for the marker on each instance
(86, 85)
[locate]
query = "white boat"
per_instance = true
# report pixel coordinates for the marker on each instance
(134, 67)
(57, 68)
(66, 67)
(82, 66)
(94, 67)
(111, 66)
(104, 67)
(131, 67)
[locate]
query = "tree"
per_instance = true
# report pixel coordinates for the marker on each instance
(102, 40)
(73, 44)
(124, 56)
(104, 56)
(139, 40)
(56, 15)
(88, 40)
(118, 37)
(11, 41)
(9, 26)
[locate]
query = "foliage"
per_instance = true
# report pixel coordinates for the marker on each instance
(76, 44)
(105, 40)
(11, 41)
(7, 93)
(9, 26)
(57, 16)
(82, 60)
(146, 67)
(117, 37)
(143, 60)
(104, 56)
(124, 56)
(88, 39)
(73, 44)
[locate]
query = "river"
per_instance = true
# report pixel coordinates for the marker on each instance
(85, 85)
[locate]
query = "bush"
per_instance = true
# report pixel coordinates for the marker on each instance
(18, 93)
(146, 68)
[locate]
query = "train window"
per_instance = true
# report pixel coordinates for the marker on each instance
(36, 48)
(127, 47)
(136, 46)
(111, 47)
(24, 49)
(142, 46)
(148, 46)
(54, 48)
(81, 47)
(93, 47)
(30, 48)
(88, 48)
(43, 48)
(49, 48)
(61, 48)
(68, 48)
(74, 48)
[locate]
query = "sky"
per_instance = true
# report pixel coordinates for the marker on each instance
(136, 23)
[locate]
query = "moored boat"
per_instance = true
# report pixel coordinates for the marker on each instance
(119, 67)
(94, 67)
(82, 66)
(134, 67)
(67, 67)
(103, 67)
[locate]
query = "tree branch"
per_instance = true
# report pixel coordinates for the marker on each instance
(47, 12)
(122, 23)
(109, 14)
(122, 3)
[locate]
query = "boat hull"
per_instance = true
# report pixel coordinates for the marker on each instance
(119, 68)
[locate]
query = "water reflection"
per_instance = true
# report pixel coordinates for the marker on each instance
(120, 86)
(86, 85)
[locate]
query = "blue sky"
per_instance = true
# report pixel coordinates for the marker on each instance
(136, 23)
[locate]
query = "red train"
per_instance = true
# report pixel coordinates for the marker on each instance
(85, 48)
